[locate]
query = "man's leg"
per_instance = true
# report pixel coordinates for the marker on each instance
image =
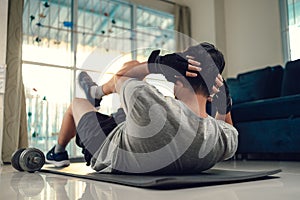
(57, 155)
(92, 127)
(81, 107)
(68, 129)
(76, 110)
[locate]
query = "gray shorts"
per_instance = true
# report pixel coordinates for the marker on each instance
(93, 128)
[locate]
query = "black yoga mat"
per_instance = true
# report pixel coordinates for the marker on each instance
(209, 177)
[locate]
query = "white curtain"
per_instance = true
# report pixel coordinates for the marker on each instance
(15, 122)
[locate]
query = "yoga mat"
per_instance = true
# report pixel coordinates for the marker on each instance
(210, 177)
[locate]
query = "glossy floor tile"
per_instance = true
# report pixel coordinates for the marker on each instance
(22, 185)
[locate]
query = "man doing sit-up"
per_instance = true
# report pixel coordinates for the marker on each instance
(152, 133)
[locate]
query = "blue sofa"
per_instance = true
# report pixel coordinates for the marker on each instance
(266, 110)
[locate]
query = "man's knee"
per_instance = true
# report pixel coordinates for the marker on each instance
(79, 101)
(80, 107)
(82, 104)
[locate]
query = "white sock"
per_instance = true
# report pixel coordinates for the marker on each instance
(58, 148)
(96, 92)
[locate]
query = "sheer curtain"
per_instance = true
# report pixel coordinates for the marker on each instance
(15, 123)
(182, 16)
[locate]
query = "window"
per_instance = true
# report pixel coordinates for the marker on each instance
(290, 18)
(63, 37)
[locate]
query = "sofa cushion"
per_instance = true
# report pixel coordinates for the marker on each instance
(290, 84)
(257, 84)
(276, 108)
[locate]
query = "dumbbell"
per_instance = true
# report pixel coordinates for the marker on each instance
(28, 159)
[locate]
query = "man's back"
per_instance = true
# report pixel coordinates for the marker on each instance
(162, 135)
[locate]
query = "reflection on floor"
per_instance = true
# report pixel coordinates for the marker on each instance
(22, 185)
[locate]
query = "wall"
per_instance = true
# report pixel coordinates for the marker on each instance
(247, 32)
(3, 25)
(203, 19)
(253, 34)
(220, 33)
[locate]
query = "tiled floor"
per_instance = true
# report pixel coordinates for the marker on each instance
(22, 185)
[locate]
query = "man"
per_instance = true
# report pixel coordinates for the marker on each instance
(154, 134)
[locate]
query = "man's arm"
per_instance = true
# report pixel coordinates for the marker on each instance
(132, 69)
(138, 70)
(227, 118)
(225, 98)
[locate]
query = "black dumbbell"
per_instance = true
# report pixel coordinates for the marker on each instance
(28, 159)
